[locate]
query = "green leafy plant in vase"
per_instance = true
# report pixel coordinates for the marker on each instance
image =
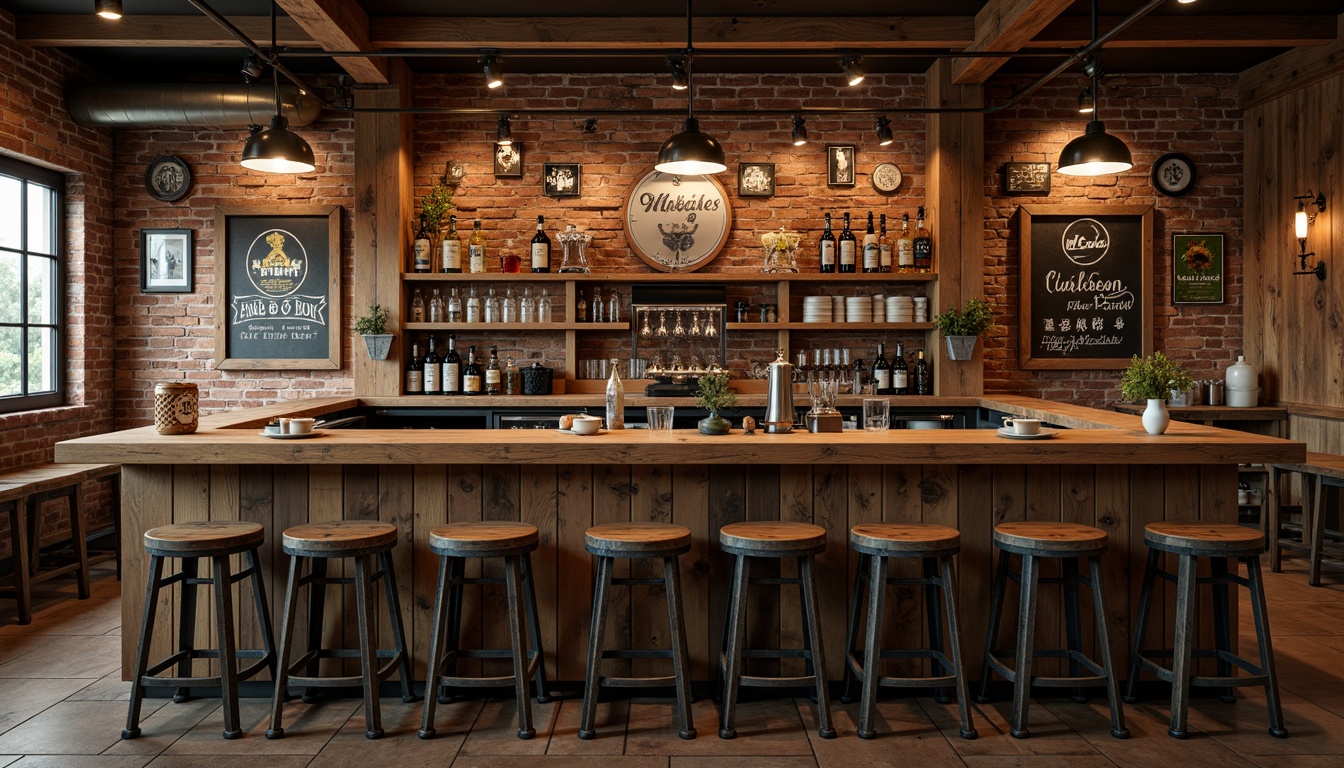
(962, 326)
(714, 396)
(373, 327)
(1152, 379)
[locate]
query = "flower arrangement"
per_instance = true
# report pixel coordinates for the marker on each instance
(976, 318)
(1153, 378)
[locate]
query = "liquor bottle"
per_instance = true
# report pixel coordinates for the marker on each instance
(581, 309)
(473, 306)
(415, 373)
(513, 379)
(421, 248)
(615, 398)
(417, 307)
(858, 375)
(923, 376)
(473, 378)
(881, 371)
(544, 308)
(614, 307)
(827, 248)
(508, 308)
(848, 247)
(476, 248)
(454, 306)
(597, 308)
(541, 248)
(884, 248)
(433, 371)
(923, 245)
(491, 307)
(452, 248)
(452, 368)
(527, 306)
(494, 377)
(872, 259)
(900, 372)
(905, 247)
(436, 307)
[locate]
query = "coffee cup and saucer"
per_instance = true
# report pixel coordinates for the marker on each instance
(1022, 428)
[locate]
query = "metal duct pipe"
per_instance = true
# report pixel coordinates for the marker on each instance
(191, 105)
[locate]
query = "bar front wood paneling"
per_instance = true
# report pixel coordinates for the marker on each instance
(563, 500)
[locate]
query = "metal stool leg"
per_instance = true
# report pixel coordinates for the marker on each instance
(736, 631)
(934, 616)
(998, 591)
(366, 605)
(457, 571)
(1026, 643)
(1272, 487)
(228, 657)
(1141, 625)
(954, 648)
(1222, 622)
(808, 573)
(1118, 729)
(132, 729)
(1261, 613)
(1185, 630)
(852, 635)
(398, 632)
(436, 642)
(263, 610)
(596, 635)
(317, 611)
(681, 665)
(186, 624)
(534, 631)
(513, 577)
(1073, 623)
(872, 645)
(277, 730)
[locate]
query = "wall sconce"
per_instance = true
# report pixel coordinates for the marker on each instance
(1301, 220)
(453, 174)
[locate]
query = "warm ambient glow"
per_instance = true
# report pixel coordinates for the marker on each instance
(853, 72)
(494, 75)
(1095, 153)
(504, 134)
(691, 153)
(799, 131)
(884, 136)
(108, 9)
(1300, 221)
(278, 150)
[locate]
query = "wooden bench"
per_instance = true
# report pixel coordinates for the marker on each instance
(1319, 471)
(22, 493)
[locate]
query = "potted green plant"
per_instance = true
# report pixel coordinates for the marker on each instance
(962, 326)
(373, 327)
(1152, 379)
(435, 205)
(714, 396)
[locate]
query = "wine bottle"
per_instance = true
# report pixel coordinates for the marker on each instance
(541, 248)
(452, 368)
(881, 371)
(905, 247)
(421, 248)
(473, 378)
(900, 372)
(923, 244)
(884, 248)
(827, 248)
(872, 259)
(415, 373)
(494, 378)
(476, 248)
(417, 307)
(923, 376)
(433, 371)
(452, 248)
(848, 247)
(581, 308)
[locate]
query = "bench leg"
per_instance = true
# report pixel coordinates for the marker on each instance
(80, 542)
(18, 543)
(1317, 530)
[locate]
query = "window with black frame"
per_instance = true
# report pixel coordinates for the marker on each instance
(32, 327)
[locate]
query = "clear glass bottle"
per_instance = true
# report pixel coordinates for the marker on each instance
(615, 397)
(491, 307)
(435, 308)
(544, 308)
(614, 307)
(513, 379)
(527, 307)
(417, 307)
(476, 248)
(473, 306)
(509, 308)
(905, 247)
(597, 310)
(574, 243)
(454, 306)
(452, 248)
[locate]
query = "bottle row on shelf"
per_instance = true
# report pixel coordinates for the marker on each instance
(449, 374)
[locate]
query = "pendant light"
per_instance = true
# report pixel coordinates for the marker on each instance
(1096, 152)
(691, 152)
(108, 9)
(277, 149)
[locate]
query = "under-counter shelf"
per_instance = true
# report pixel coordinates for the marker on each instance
(672, 277)
(830, 326)
(517, 326)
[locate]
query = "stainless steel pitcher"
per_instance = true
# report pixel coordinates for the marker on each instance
(779, 397)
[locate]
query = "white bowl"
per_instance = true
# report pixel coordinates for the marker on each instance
(586, 425)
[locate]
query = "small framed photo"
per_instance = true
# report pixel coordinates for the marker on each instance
(1197, 268)
(509, 161)
(840, 165)
(756, 179)
(165, 261)
(1026, 178)
(561, 179)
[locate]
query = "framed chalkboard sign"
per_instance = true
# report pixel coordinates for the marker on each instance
(1026, 178)
(278, 288)
(1087, 286)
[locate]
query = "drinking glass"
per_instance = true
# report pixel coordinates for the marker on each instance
(876, 414)
(510, 263)
(660, 418)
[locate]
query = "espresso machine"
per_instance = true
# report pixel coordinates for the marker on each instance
(677, 330)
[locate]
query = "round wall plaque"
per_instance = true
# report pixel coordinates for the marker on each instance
(1174, 174)
(168, 179)
(676, 223)
(886, 177)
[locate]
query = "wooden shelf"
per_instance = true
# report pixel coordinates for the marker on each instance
(517, 326)
(830, 326)
(660, 277)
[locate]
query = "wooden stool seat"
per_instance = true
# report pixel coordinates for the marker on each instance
(1205, 539)
(905, 540)
(637, 540)
(1050, 539)
(339, 538)
(486, 539)
(772, 539)
(203, 539)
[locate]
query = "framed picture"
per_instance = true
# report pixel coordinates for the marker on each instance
(756, 179)
(1197, 268)
(509, 161)
(1026, 178)
(1174, 174)
(278, 288)
(561, 179)
(165, 261)
(840, 165)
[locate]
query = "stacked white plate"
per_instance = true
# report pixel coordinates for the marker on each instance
(837, 309)
(879, 309)
(858, 309)
(900, 309)
(816, 309)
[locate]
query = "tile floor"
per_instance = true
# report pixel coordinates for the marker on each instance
(62, 705)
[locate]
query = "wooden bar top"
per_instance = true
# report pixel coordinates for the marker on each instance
(1214, 412)
(1092, 437)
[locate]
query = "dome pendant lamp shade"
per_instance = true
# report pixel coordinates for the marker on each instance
(1095, 153)
(108, 9)
(691, 153)
(278, 150)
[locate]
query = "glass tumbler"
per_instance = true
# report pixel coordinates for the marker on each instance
(876, 414)
(660, 418)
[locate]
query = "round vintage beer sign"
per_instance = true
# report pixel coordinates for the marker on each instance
(1085, 242)
(276, 263)
(677, 223)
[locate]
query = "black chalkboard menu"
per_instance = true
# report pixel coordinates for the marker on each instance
(1087, 286)
(277, 288)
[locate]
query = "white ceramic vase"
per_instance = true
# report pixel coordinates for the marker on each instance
(1155, 416)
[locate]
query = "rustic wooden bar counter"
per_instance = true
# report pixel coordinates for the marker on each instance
(1102, 471)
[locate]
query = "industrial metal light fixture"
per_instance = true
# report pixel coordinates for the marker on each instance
(277, 149)
(1301, 220)
(1096, 152)
(680, 81)
(108, 9)
(1086, 105)
(504, 134)
(799, 131)
(884, 136)
(691, 152)
(494, 73)
(252, 68)
(853, 72)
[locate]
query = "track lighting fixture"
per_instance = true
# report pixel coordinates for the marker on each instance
(504, 134)
(691, 153)
(494, 74)
(884, 136)
(799, 131)
(252, 68)
(853, 71)
(1085, 105)
(679, 80)
(277, 149)
(108, 9)
(1096, 152)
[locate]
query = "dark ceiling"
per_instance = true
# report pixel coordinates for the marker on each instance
(140, 62)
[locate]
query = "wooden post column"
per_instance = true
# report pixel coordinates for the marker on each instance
(954, 165)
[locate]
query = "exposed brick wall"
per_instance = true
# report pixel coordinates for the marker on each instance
(1155, 114)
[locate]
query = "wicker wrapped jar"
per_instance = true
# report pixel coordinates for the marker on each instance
(175, 408)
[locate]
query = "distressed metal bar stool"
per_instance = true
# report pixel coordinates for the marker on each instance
(1068, 542)
(190, 542)
(1188, 542)
(454, 544)
(369, 544)
(637, 540)
(934, 545)
(774, 540)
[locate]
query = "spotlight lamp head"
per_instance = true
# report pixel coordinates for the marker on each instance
(852, 69)
(252, 68)
(108, 9)
(504, 134)
(1085, 104)
(884, 135)
(494, 74)
(680, 80)
(799, 131)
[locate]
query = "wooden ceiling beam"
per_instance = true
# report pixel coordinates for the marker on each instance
(1293, 70)
(1193, 32)
(340, 25)
(88, 31)
(1004, 25)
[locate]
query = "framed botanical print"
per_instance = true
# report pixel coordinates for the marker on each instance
(1197, 268)
(840, 165)
(165, 261)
